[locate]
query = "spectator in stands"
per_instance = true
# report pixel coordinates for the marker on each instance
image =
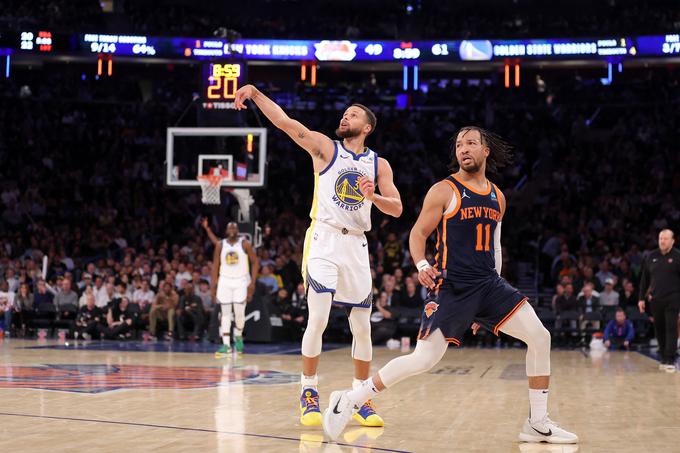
(43, 296)
(88, 322)
(82, 301)
(411, 298)
(628, 295)
(394, 252)
(182, 274)
(24, 304)
(86, 280)
(619, 332)
(383, 320)
(609, 297)
(6, 306)
(588, 302)
(604, 273)
(119, 320)
(559, 292)
(568, 301)
(66, 297)
(143, 296)
(163, 308)
(292, 315)
(269, 279)
(189, 313)
(12, 281)
(393, 297)
(105, 295)
(299, 301)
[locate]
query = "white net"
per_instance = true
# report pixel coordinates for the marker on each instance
(210, 188)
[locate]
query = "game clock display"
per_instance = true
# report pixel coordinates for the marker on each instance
(220, 81)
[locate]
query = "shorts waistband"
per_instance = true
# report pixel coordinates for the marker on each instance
(323, 226)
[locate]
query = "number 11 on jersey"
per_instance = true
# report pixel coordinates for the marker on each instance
(485, 246)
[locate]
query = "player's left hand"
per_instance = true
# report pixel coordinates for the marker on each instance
(475, 327)
(251, 291)
(367, 187)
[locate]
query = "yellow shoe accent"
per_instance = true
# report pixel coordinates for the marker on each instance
(363, 434)
(310, 418)
(366, 415)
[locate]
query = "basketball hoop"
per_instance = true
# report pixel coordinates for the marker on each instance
(210, 188)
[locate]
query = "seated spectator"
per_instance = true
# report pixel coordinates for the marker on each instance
(393, 296)
(269, 279)
(88, 322)
(604, 273)
(411, 299)
(86, 280)
(6, 306)
(292, 316)
(105, 296)
(619, 332)
(383, 320)
(628, 297)
(588, 302)
(189, 313)
(83, 297)
(567, 301)
(66, 302)
(119, 320)
(163, 308)
(559, 292)
(143, 297)
(23, 304)
(609, 297)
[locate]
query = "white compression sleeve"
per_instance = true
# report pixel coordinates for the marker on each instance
(497, 251)
(426, 355)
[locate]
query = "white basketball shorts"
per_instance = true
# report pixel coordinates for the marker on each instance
(337, 263)
(232, 290)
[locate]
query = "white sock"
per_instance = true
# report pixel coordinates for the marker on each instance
(538, 403)
(364, 392)
(356, 383)
(226, 339)
(309, 382)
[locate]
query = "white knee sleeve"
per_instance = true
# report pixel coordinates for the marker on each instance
(426, 355)
(239, 319)
(360, 325)
(225, 322)
(319, 306)
(525, 325)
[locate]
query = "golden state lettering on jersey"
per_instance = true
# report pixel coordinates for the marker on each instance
(338, 201)
(347, 195)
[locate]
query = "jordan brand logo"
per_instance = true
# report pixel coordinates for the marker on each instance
(465, 195)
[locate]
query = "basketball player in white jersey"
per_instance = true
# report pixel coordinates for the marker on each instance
(335, 263)
(233, 284)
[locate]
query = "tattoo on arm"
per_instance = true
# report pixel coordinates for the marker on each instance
(301, 134)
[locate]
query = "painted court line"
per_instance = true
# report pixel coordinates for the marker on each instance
(202, 430)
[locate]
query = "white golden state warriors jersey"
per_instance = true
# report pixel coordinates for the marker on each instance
(233, 260)
(337, 198)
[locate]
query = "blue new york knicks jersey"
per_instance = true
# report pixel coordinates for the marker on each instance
(465, 249)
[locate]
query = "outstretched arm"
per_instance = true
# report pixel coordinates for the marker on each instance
(319, 146)
(435, 203)
(389, 200)
(204, 223)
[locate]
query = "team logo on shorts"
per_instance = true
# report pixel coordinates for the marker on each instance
(347, 193)
(430, 308)
(232, 258)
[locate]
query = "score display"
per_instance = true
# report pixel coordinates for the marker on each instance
(220, 81)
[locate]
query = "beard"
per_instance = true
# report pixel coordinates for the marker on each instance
(472, 167)
(347, 133)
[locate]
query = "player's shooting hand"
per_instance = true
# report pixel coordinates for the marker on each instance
(367, 187)
(242, 94)
(475, 328)
(427, 276)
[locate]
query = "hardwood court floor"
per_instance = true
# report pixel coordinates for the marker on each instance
(475, 400)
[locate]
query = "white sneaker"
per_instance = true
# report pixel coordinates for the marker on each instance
(662, 366)
(339, 413)
(669, 368)
(546, 430)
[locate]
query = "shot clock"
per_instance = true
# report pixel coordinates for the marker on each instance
(220, 81)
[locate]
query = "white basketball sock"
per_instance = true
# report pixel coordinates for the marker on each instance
(309, 382)
(538, 403)
(364, 392)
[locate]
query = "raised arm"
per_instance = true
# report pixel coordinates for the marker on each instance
(389, 200)
(254, 267)
(319, 146)
(206, 226)
(435, 203)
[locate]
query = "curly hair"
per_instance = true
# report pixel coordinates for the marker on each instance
(499, 150)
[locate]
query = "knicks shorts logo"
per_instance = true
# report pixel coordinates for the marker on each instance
(232, 258)
(430, 308)
(347, 188)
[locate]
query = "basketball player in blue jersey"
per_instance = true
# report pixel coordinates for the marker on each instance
(466, 289)
(335, 262)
